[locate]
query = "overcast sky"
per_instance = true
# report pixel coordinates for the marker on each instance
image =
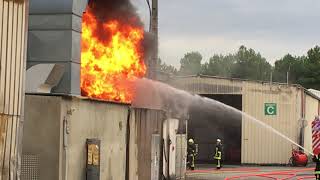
(272, 27)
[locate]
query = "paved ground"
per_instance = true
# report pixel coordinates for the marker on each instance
(207, 172)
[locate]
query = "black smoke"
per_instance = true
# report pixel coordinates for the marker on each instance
(109, 10)
(124, 12)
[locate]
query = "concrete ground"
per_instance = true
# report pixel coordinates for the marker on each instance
(208, 172)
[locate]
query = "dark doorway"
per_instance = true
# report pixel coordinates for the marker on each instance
(207, 124)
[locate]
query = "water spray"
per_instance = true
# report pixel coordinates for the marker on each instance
(157, 95)
(260, 123)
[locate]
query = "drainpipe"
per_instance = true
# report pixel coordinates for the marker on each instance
(303, 109)
(128, 144)
(65, 146)
(168, 150)
(66, 132)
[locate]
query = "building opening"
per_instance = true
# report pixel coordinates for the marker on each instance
(206, 125)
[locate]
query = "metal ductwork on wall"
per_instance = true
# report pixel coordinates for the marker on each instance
(55, 39)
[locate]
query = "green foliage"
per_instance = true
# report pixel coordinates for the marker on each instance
(219, 65)
(310, 76)
(289, 66)
(191, 63)
(251, 65)
(248, 64)
(245, 64)
(163, 67)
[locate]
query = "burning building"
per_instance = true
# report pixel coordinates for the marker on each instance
(83, 59)
(112, 51)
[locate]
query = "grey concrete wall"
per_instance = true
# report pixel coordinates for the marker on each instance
(42, 129)
(101, 120)
(56, 130)
(65, 158)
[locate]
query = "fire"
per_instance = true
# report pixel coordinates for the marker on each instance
(109, 63)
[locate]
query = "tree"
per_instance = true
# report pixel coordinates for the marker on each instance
(245, 64)
(163, 67)
(251, 65)
(220, 65)
(190, 64)
(310, 77)
(248, 64)
(288, 66)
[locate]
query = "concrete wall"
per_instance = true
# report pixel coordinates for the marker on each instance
(62, 149)
(57, 128)
(42, 136)
(104, 121)
(311, 111)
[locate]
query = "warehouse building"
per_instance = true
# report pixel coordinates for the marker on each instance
(287, 108)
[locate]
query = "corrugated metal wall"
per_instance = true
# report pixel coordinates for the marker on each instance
(260, 145)
(311, 111)
(199, 85)
(13, 20)
(257, 140)
(146, 123)
(181, 156)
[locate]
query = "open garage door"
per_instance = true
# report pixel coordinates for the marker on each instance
(206, 126)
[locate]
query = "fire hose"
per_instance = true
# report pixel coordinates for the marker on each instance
(288, 175)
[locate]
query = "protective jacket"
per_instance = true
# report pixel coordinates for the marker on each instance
(191, 155)
(316, 159)
(218, 155)
(218, 152)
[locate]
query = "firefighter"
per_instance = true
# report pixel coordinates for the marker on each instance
(316, 159)
(191, 154)
(218, 154)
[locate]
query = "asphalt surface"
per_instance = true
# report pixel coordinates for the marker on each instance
(208, 172)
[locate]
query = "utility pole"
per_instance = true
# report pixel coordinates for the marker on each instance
(154, 31)
(288, 73)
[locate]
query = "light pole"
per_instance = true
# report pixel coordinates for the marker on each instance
(154, 31)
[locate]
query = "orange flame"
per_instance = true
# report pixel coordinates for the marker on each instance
(107, 65)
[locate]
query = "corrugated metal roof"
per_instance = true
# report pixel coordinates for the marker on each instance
(315, 93)
(236, 79)
(311, 92)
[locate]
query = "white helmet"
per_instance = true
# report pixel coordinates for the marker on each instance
(191, 141)
(219, 140)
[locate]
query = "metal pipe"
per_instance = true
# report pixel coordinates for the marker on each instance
(168, 150)
(154, 30)
(128, 145)
(22, 93)
(150, 14)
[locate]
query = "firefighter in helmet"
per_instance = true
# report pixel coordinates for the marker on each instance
(218, 154)
(316, 159)
(191, 154)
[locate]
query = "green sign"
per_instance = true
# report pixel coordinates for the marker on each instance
(270, 109)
